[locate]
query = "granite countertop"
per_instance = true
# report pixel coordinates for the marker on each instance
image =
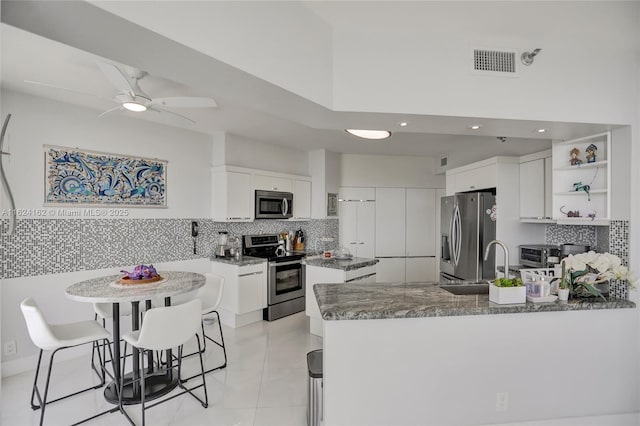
(345, 265)
(352, 301)
(243, 261)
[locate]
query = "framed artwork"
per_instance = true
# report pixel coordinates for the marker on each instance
(332, 204)
(75, 176)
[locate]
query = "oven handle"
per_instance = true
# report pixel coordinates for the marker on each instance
(250, 273)
(275, 265)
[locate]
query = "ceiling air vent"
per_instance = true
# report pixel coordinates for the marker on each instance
(495, 62)
(443, 161)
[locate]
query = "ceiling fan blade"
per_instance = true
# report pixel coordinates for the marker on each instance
(185, 102)
(53, 86)
(116, 77)
(178, 117)
(110, 110)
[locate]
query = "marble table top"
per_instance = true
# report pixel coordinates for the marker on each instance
(101, 290)
(352, 301)
(345, 265)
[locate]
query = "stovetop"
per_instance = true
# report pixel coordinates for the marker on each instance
(267, 247)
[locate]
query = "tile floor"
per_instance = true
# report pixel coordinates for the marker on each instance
(264, 384)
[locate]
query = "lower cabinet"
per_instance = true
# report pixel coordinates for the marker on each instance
(318, 274)
(245, 292)
(406, 269)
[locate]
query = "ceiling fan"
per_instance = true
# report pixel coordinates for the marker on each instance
(131, 97)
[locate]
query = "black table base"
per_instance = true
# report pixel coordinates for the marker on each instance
(155, 387)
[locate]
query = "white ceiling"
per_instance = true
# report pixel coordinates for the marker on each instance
(27, 56)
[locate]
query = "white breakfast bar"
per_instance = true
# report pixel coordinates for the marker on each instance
(413, 353)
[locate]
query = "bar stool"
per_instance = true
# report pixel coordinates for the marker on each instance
(210, 295)
(166, 328)
(50, 337)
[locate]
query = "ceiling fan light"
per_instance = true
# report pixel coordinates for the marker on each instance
(134, 106)
(369, 134)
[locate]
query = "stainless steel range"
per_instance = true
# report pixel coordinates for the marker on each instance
(285, 278)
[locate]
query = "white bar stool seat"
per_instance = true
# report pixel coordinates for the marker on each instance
(55, 337)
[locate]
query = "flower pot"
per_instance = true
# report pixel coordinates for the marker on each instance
(563, 294)
(507, 295)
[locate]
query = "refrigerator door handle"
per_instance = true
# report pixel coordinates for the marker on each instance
(452, 247)
(458, 226)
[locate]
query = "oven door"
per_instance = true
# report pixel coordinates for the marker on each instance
(285, 282)
(274, 205)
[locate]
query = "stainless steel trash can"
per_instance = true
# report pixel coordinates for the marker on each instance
(315, 396)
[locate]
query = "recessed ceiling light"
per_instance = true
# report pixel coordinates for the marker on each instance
(134, 106)
(369, 134)
(403, 124)
(541, 130)
(475, 127)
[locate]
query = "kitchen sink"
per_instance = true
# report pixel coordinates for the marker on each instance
(462, 289)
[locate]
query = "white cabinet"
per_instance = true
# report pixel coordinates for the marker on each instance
(245, 292)
(420, 269)
(475, 179)
(536, 187)
(301, 199)
(405, 234)
(532, 187)
(391, 269)
(232, 198)
(357, 221)
(421, 214)
(318, 274)
(390, 222)
(272, 183)
(569, 181)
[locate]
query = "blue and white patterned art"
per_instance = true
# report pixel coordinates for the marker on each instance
(76, 176)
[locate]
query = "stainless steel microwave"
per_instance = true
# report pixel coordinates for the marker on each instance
(274, 205)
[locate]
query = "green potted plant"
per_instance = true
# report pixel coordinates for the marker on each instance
(563, 287)
(507, 291)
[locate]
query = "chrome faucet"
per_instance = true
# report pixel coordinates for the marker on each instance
(506, 254)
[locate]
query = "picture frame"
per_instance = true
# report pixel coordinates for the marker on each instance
(76, 177)
(332, 204)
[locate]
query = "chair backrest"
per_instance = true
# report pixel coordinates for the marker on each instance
(211, 292)
(171, 326)
(39, 330)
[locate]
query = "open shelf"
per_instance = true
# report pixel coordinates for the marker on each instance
(592, 192)
(582, 166)
(583, 221)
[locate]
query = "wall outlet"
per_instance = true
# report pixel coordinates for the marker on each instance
(10, 348)
(327, 239)
(502, 401)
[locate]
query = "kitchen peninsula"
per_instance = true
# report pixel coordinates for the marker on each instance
(413, 353)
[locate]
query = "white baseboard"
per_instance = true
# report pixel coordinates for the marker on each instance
(627, 419)
(20, 365)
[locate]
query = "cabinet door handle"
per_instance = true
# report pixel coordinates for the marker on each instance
(353, 242)
(360, 243)
(472, 187)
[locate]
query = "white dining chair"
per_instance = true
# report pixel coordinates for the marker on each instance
(55, 337)
(210, 295)
(166, 328)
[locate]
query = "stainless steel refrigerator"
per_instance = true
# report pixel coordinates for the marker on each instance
(468, 223)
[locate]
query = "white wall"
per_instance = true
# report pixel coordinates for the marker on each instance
(421, 62)
(389, 171)
(295, 55)
(37, 121)
(240, 151)
(324, 168)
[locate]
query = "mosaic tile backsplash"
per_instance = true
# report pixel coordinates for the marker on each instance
(50, 246)
(613, 239)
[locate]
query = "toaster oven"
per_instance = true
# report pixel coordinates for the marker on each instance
(536, 255)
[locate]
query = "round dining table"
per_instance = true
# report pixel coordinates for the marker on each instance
(107, 289)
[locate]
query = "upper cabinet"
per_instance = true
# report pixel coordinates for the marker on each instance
(483, 176)
(582, 180)
(535, 187)
(234, 192)
(272, 183)
(232, 196)
(357, 220)
(390, 222)
(301, 199)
